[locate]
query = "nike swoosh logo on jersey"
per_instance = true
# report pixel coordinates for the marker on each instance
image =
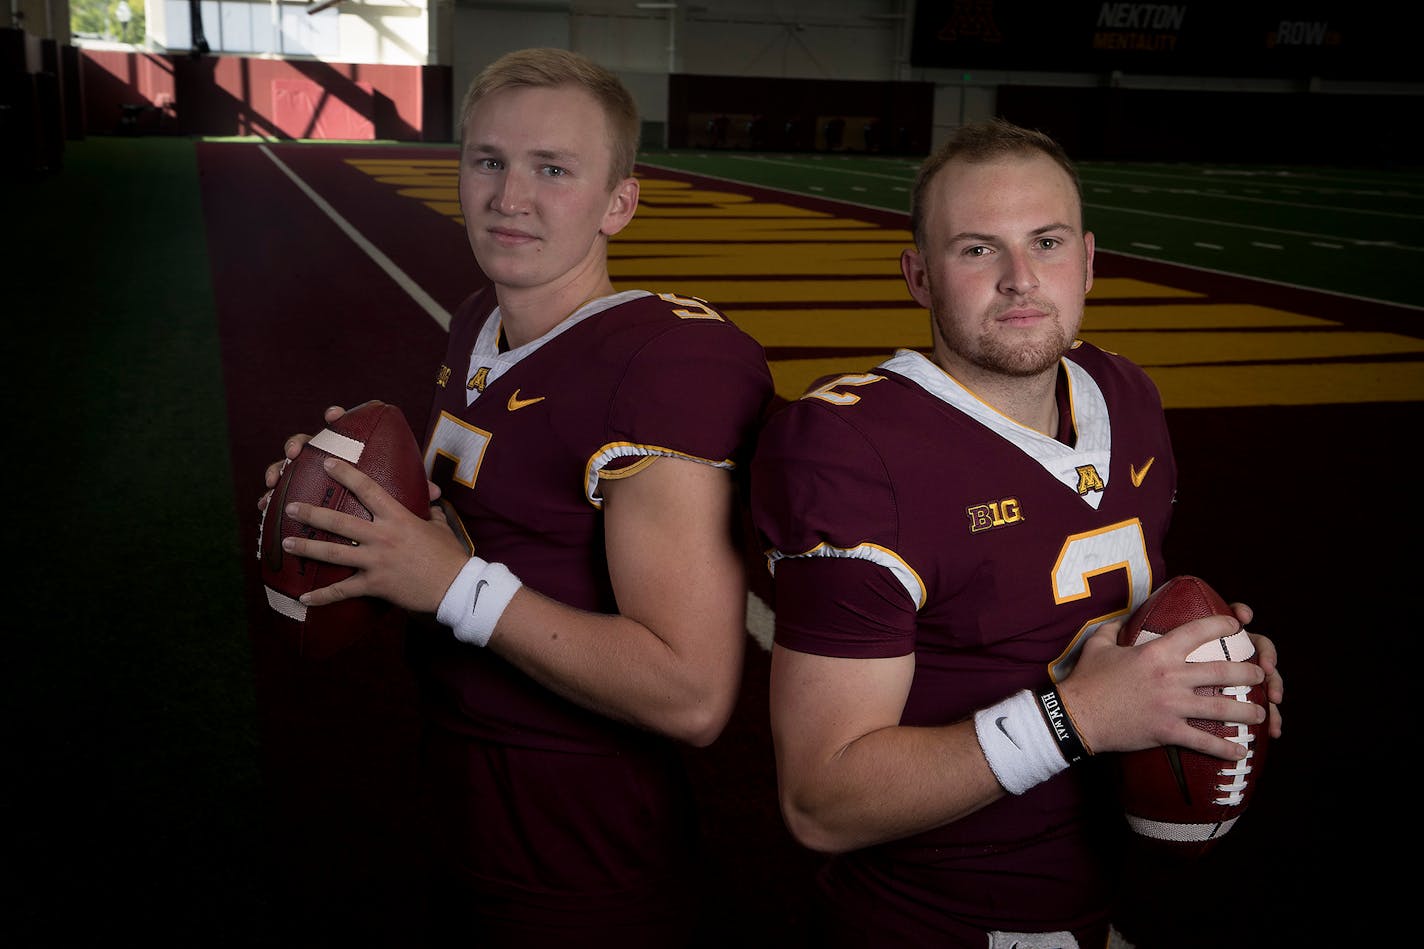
(478, 587)
(516, 403)
(1000, 722)
(1138, 476)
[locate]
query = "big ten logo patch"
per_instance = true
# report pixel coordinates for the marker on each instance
(984, 517)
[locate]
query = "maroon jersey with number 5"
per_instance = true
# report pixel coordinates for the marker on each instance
(582, 815)
(904, 515)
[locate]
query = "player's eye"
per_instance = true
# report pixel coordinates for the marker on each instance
(485, 163)
(553, 171)
(977, 250)
(1048, 243)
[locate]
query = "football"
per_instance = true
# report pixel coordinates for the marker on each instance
(377, 439)
(1184, 800)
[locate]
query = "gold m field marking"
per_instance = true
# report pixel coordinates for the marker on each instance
(1138, 476)
(516, 403)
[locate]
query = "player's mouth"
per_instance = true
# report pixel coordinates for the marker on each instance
(510, 237)
(1029, 314)
(1021, 317)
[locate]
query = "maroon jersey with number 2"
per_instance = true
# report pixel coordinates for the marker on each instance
(904, 515)
(553, 812)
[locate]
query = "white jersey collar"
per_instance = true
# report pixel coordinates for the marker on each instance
(1091, 424)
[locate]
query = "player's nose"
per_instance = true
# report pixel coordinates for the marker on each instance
(1018, 275)
(511, 196)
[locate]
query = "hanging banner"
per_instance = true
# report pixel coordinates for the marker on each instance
(1286, 39)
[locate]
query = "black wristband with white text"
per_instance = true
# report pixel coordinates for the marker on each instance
(1060, 724)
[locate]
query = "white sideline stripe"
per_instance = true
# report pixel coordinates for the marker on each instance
(437, 312)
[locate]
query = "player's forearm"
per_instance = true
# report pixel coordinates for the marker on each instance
(888, 784)
(621, 668)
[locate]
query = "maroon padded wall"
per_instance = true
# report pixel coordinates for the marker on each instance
(237, 95)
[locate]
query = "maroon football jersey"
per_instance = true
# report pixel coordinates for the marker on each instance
(517, 441)
(904, 515)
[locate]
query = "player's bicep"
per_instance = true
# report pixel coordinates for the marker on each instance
(821, 705)
(672, 555)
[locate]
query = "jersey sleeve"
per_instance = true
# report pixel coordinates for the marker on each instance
(697, 390)
(825, 509)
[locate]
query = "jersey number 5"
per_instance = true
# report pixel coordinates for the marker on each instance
(462, 443)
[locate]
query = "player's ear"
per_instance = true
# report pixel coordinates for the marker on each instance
(1088, 264)
(621, 206)
(912, 266)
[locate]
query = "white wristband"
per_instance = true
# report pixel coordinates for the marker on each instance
(1020, 749)
(476, 600)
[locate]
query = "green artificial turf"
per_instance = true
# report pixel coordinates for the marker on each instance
(132, 791)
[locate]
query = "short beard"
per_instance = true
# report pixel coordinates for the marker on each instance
(1019, 361)
(993, 354)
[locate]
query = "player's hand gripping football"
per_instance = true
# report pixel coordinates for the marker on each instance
(398, 557)
(1266, 659)
(1126, 698)
(291, 448)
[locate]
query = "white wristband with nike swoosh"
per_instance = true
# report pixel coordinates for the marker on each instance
(1017, 743)
(476, 600)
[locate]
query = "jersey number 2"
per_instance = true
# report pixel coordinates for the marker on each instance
(1091, 554)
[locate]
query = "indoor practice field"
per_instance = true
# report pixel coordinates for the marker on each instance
(176, 307)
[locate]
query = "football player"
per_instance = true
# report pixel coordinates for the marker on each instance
(955, 539)
(587, 589)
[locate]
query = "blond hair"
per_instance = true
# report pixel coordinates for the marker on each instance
(549, 67)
